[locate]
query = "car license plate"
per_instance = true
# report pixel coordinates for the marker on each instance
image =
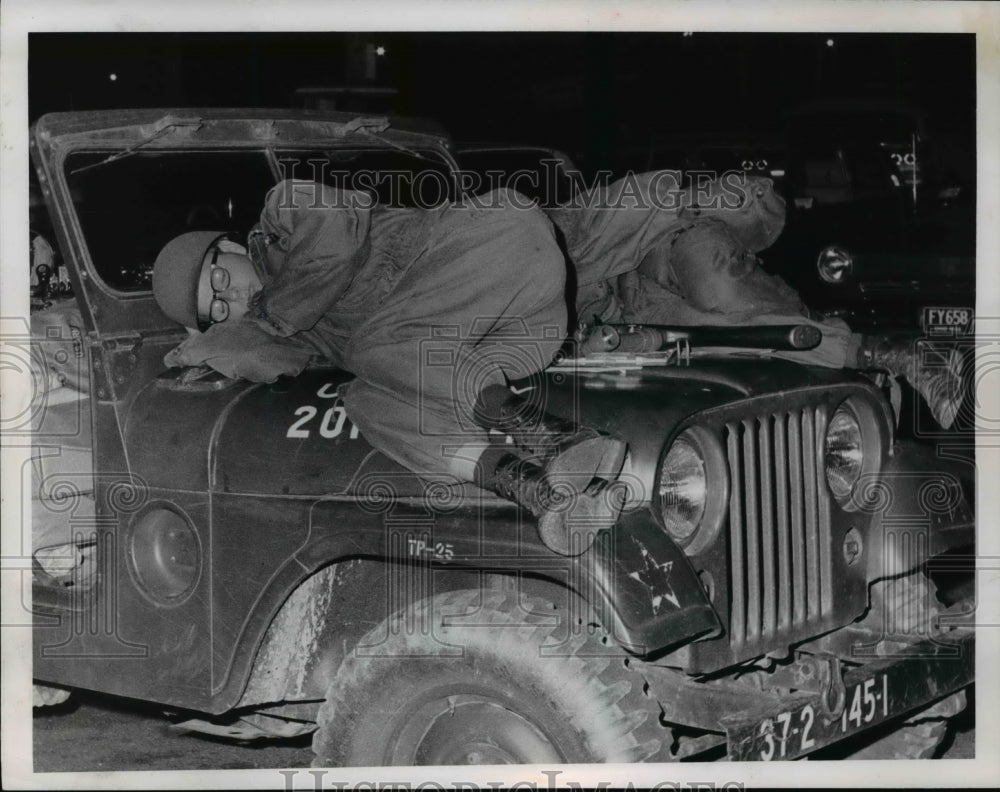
(798, 731)
(948, 321)
(873, 694)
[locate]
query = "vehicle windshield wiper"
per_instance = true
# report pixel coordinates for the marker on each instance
(171, 125)
(373, 127)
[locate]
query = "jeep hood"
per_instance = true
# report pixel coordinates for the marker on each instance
(646, 407)
(291, 438)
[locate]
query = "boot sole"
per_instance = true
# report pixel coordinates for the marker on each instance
(597, 458)
(585, 471)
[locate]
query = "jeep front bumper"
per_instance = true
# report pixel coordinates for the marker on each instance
(871, 694)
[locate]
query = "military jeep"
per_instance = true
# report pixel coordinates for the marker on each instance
(239, 553)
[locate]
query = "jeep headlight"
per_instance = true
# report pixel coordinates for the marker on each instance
(692, 484)
(834, 264)
(844, 454)
(163, 553)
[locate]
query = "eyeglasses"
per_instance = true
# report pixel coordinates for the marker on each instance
(227, 279)
(219, 278)
(218, 311)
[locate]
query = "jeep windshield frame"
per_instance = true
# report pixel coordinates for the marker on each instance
(116, 139)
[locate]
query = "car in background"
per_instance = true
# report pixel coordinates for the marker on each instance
(853, 248)
(897, 128)
(880, 223)
(858, 243)
(756, 153)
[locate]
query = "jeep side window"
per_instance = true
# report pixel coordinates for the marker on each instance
(129, 209)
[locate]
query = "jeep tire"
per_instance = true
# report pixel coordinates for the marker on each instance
(462, 678)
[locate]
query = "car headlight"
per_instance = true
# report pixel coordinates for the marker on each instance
(844, 454)
(692, 468)
(834, 264)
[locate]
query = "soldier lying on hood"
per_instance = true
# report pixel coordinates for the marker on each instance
(647, 250)
(480, 290)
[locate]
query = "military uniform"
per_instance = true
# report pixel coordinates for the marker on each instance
(424, 306)
(647, 250)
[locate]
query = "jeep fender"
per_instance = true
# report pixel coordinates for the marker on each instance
(635, 581)
(918, 509)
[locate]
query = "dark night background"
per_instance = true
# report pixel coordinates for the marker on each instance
(588, 93)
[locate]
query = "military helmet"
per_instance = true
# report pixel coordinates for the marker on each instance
(177, 273)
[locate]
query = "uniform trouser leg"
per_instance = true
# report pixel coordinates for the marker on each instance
(482, 305)
(711, 281)
(709, 278)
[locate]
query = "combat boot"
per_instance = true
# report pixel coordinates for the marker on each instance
(544, 436)
(570, 512)
(940, 382)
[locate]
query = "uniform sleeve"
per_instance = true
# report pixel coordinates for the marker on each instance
(321, 243)
(241, 350)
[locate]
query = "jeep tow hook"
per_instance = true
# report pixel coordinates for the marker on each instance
(832, 693)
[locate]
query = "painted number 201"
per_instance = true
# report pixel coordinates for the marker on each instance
(331, 425)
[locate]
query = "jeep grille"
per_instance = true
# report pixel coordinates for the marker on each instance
(779, 516)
